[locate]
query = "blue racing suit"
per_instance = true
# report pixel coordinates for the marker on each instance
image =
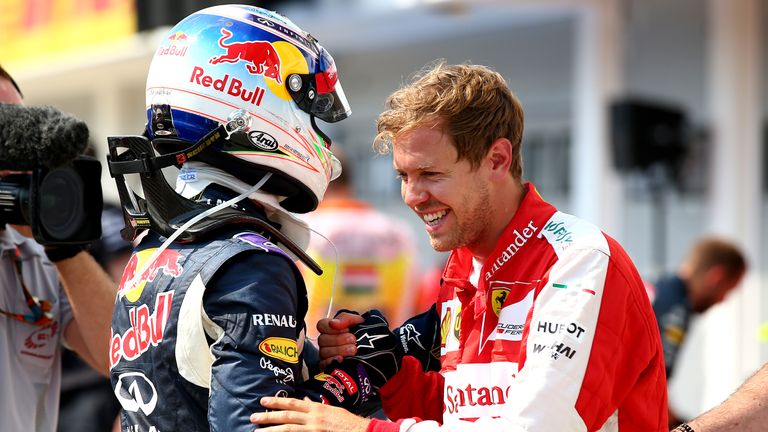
(208, 329)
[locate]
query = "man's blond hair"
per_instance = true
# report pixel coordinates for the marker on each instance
(471, 103)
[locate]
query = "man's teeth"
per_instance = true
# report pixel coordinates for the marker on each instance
(432, 218)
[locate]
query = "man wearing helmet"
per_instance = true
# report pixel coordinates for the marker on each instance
(210, 310)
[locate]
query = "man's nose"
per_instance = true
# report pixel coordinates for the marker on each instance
(414, 194)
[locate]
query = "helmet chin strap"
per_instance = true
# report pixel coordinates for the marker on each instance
(198, 218)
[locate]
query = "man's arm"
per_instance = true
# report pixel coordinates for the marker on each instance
(745, 411)
(251, 303)
(307, 416)
(591, 348)
(91, 294)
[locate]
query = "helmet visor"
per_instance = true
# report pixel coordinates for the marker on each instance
(332, 106)
(320, 94)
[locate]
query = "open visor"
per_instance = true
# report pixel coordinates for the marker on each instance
(320, 94)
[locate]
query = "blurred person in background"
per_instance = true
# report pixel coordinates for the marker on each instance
(87, 401)
(428, 287)
(712, 268)
(532, 299)
(377, 258)
(50, 297)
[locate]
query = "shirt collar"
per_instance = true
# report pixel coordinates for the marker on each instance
(10, 239)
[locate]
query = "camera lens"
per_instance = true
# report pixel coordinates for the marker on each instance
(61, 203)
(14, 199)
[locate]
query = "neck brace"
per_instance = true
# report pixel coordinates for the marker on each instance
(195, 176)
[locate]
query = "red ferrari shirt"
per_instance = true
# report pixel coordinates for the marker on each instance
(557, 335)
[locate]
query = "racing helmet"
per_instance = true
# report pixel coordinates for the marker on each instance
(267, 81)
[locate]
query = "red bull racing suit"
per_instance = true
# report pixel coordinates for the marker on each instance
(208, 329)
(556, 334)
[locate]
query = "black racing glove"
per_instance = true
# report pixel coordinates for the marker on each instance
(419, 337)
(377, 348)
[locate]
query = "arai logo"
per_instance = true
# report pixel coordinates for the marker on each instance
(262, 140)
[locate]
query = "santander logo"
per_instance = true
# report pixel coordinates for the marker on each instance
(478, 390)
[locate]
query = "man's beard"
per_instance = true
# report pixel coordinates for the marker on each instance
(475, 217)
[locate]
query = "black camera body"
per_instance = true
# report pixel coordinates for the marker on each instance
(62, 205)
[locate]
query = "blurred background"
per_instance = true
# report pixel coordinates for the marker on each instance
(646, 117)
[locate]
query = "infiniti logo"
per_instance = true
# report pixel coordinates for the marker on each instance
(136, 392)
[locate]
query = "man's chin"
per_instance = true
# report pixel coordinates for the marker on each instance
(441, 245)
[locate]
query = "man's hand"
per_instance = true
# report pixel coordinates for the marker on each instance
(306, 416)
(369, 342)
(335, 340)
(24, 230)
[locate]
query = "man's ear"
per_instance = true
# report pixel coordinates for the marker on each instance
(499, 156)
(715, 275)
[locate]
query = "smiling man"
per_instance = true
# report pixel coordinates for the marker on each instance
(545, 324)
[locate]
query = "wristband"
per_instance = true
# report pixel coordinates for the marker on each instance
(60, 253)
(684, 427)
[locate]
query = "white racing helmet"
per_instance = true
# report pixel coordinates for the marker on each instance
(263, 77)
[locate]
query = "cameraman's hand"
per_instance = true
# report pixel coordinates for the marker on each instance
(24, 230)
(54, 253)
(335, 340)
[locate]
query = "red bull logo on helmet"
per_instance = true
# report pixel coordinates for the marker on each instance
(132, 284)
(260, 57)
(178, 45)
(178, 36)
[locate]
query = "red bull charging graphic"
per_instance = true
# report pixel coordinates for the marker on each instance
(132, 284)
(260, 57)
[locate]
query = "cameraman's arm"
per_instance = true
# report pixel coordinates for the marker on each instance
(91, 294)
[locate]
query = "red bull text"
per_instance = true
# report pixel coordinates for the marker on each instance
(146, 330)
(227, 84)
